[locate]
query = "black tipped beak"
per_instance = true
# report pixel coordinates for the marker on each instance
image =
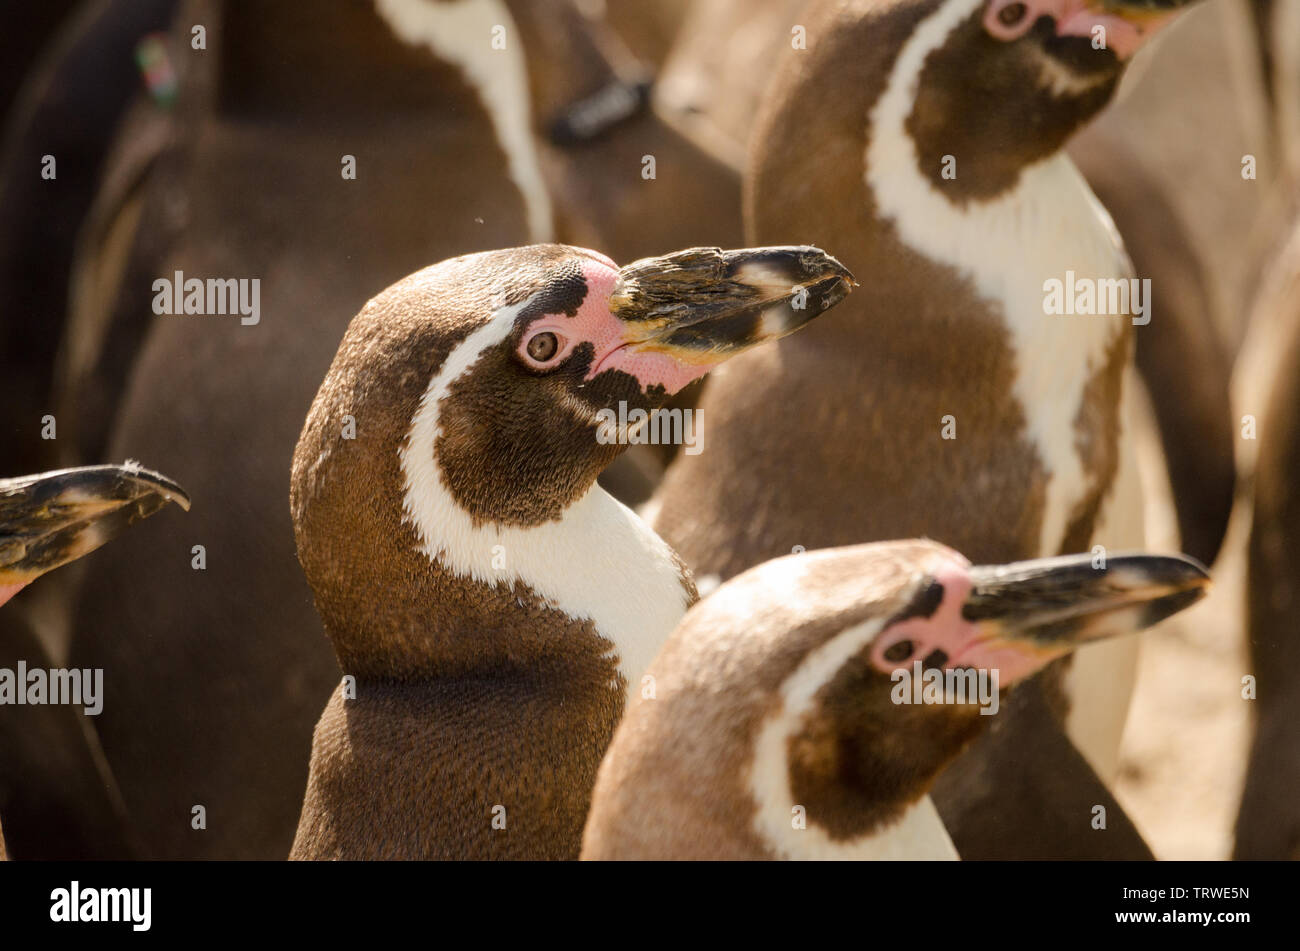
(1055, 604)
(705, 304)
(50, 519)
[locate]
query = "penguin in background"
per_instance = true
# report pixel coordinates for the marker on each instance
(491, 607)
(714, 88)
(56, 138)
(623, 179)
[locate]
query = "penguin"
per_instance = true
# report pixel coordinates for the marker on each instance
(1140, 158)
(326, 152)
(945, 400)
(271, 121)
(1268, 820)
(788, 718)
(50, 764)
(490, 606)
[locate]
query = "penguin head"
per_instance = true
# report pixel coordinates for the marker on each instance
(910, 674)
(841, 682)
(1005, 83)
(566, 354)
(471, 407)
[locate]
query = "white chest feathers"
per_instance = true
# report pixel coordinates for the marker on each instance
(1048, 225)
(481, 39)
(599, 562)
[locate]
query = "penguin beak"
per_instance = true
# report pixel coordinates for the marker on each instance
(1045, 608)
(704, 305)
(50, 519)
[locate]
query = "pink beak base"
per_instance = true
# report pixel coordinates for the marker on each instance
(1076, 18)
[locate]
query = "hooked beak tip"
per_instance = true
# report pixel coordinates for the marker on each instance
(50, 519)
(705, 304)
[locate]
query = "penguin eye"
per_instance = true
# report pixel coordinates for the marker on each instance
(1012, 14)
(900, 651)
(542, 347)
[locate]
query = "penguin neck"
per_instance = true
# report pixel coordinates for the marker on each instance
(598, 563)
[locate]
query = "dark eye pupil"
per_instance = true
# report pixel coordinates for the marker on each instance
(1012, 14)
(542, 347)
(900, 651)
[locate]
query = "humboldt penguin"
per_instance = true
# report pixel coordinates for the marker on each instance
(491, 607)
(55, 790)
(945, 400)
(271, 121)
(1268, 822)
(268, 120)
(805, 708)
(1143, 157)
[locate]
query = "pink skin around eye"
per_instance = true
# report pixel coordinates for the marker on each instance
(948, 631)
(1075, 18)
(594, 324)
